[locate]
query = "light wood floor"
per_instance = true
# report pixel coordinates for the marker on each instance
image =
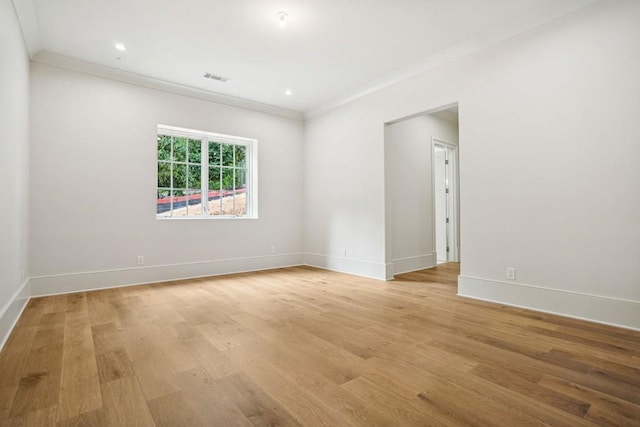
(301, 346)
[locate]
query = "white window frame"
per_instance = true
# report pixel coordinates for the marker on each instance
(205, 138)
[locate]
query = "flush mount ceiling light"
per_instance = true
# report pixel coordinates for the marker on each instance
(120, 47)
(282, 19)
(288, 92)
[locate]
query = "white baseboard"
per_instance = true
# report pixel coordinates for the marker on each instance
(347, 265)
(12, 310)
(414, 263)
(92, 280)
(610, 311)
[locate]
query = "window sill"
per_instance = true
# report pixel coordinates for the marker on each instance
(203, 218)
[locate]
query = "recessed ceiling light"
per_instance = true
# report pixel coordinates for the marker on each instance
(288, 92)
(120, 47)
(282, 19)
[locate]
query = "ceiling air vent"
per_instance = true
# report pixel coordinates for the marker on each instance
(216, 77)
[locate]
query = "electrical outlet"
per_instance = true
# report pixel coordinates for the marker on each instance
(24, 275)
(343, 252)
(140, 260)
(511, 273)
(273, 249)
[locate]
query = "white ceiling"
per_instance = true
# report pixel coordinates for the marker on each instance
(330, 50)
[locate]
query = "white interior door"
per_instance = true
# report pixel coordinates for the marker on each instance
(440, 195)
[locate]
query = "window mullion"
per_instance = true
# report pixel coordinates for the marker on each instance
(171, 181)
(235, 171)
(204, 175)
(220, 189)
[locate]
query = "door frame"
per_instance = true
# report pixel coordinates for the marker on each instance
(453, 201)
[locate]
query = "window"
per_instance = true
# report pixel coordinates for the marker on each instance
(205, 175)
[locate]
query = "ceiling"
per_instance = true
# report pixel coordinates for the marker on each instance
(330, 50)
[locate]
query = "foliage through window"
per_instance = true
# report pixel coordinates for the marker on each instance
(202, 174)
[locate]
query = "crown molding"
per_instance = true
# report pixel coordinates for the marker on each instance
(77, 65)
(26, 13)
(511, 29)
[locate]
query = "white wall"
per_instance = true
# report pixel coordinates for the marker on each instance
(567, 89)
(93, 178)
(408, 169)
(14, 168)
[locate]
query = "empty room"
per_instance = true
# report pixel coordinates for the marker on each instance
(320, 213)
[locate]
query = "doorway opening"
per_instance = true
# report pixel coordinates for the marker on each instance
(422, 192)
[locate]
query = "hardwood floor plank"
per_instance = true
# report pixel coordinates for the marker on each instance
(21, 340)
(155, 376)
(208, 400)
(227, 335)
(298, 401)
(13, 365)
(113, 365)
(140, 341)
(320, 385)
(124, 403)
(40, 387)
(302, 346)
(7, 395)
(174, 410)
(49, 336)
(352, 340)
(106, 338)
(182, 330)
(397, 408)
(605, 416)
(32, 313)
(79, 383)
(100, 307)
(520, 385)
(177, 353)
(596, 366)
(607, 405)
(49, 319)
(216, 363)
(55, 304)
(338, 364)
(254, 403)
(40, 417)
(501, 407)
(86, 419)
(524, 365)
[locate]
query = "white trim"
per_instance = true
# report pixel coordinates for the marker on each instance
(389, 273)
(206, 137)
(94, 280)
(77, 65)
(202, 134)
(372, 270)
(511, 28)
(12, 311)
(205, 218)
(595, 308)
(414, 263)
